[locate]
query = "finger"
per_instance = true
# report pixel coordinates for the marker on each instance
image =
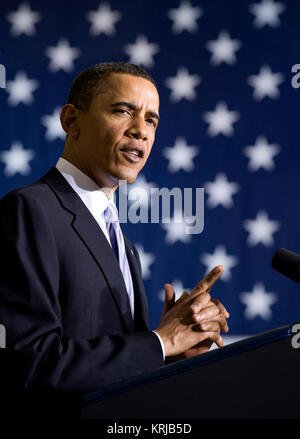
(206, 313)
(223, 323)
(182, 297)
(222, 308)
(216, 338)
(210, 326)
(200, 302)
(219, 341)
(169, 297)
(208, 281)
(220, 320)
(219, 305)
(223, 326)
(212, 335)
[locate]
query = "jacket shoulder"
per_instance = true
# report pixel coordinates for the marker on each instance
(38, 191)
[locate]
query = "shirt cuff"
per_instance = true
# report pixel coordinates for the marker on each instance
(162, 344)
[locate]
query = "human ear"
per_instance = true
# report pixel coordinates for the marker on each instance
(68, 120)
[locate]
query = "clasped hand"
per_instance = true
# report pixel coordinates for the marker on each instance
(190, 325)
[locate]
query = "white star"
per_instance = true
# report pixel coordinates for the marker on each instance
(185, 17)
(178, 287)
(261, 154)
(141, 52)
(103, 20)
(23, 20)
(219, 257)
(183, 85)
(258, 302)
(16, 160)
(20, 89)
(53, 126)
(146, 260)
(221, 120)
(180, 156)
(220, 191)
(267, 12)
(223, 49)
(62, 56)
(265, 83)
(261, 229)
(176, 228)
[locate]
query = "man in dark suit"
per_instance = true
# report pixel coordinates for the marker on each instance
(71, 293)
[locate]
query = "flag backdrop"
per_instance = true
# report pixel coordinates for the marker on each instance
(229, 123)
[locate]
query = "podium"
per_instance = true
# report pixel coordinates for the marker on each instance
(255, 378)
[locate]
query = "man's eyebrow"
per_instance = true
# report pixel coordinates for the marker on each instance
(133, 107)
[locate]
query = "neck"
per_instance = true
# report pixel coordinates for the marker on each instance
(107, 188)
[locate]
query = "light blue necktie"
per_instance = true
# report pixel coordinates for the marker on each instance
(117, 242)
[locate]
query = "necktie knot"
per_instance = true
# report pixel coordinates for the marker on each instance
(111, 214)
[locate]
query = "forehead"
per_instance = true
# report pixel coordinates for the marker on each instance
(121, 87)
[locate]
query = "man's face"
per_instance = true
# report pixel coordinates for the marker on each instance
(116, 134)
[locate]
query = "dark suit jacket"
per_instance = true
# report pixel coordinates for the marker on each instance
(63, 299)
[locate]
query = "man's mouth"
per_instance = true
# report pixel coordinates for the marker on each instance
(132, 153)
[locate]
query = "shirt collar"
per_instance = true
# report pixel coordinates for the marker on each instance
(93, 197)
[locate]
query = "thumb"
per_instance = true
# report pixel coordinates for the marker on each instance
(169, 297)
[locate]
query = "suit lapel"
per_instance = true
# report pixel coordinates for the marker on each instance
(91, 234)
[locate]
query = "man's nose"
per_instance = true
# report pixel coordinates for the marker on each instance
(138, 129)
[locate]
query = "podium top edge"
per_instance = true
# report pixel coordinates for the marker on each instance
(237, 347)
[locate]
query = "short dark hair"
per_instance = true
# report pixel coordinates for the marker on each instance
(89, 83)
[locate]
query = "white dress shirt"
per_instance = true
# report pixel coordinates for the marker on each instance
(93, 197)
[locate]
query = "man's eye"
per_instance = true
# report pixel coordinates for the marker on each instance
(121, 110)
(152, 122)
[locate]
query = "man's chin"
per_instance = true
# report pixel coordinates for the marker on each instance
(129, 177)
